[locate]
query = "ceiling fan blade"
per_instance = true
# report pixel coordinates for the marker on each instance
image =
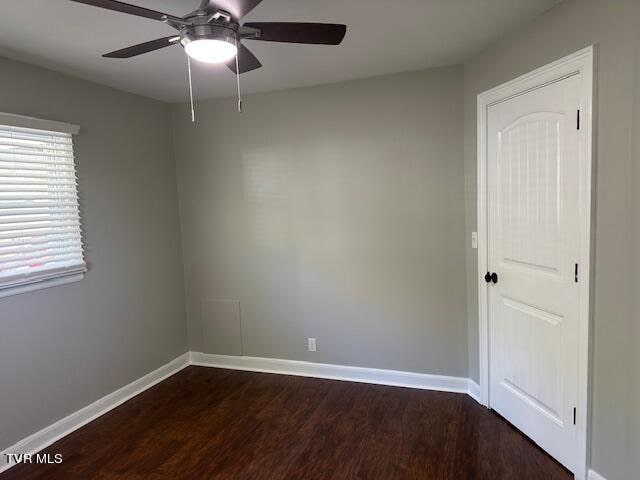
(143, 48)
(313, 33)
(237, 8)
(125, 8)
(246, 60)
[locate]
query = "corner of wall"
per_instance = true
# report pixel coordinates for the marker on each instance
(172, 113)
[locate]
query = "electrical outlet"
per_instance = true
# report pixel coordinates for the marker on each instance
(311, 344)
(474, 239)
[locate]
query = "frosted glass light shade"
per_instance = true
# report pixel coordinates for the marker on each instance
(211, 50)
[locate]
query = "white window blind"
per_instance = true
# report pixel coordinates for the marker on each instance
(40, 234)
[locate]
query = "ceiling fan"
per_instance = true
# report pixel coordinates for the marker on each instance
(213, 32)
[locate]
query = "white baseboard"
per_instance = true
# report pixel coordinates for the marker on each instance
(45, 437)
(474, 390)
(593, 475)
(338, 372)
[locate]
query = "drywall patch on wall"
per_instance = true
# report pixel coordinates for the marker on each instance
(221, 327)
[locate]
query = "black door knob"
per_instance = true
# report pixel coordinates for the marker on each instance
(491, 277)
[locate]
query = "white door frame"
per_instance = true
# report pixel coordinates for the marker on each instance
(580, 63)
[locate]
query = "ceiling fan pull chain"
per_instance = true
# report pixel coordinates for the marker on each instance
(193, 112)
(238, 79)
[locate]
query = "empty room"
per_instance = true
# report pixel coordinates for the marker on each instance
(300, 240)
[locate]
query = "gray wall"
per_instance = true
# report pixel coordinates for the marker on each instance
(634, 442)
(333, 212)
(567, 28)
(64, 347)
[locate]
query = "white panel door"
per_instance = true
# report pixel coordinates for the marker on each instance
(533, 226)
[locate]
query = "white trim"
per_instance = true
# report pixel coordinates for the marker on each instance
(40, 284)
(23, 121)
(376, 376)
(474, 390)
(45, 437)
(580, 63)
(593, 475)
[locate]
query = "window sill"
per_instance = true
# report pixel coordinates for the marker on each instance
(32, 287)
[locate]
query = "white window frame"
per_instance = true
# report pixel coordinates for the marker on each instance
(12, 120)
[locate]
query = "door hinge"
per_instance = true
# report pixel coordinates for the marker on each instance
(574, 415)
(576, 273)
(578, 120)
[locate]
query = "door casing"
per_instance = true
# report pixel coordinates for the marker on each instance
(580, 63)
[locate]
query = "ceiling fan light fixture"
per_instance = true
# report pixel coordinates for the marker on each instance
(211, 50)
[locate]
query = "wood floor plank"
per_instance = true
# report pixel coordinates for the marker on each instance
(205, 423)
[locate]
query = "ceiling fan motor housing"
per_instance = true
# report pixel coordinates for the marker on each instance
(227, 33)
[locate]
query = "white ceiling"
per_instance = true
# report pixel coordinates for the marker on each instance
(383, 37)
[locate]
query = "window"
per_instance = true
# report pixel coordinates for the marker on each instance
(40, 235)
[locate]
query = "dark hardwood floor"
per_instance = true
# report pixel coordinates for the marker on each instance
(206, 423)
